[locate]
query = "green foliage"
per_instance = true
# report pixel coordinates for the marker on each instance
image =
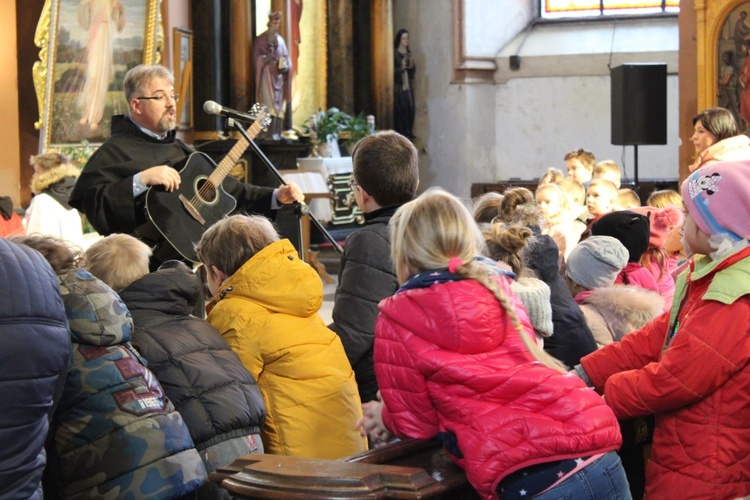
(358, 128)
(78, 153)
(334, 124)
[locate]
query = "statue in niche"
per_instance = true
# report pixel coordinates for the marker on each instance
(403, 95)
(272, 66)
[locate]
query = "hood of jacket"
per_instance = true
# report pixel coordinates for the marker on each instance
(46, 180)
(543, 257)
(461, 316)
(96, 314)
(276, 279)
(176, 286)
(729, 149)
(626, 305)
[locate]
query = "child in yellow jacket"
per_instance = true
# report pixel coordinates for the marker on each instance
(266, 303)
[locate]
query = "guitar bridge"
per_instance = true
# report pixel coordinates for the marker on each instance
(192, 210)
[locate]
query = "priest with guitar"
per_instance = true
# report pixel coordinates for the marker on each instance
(143, 152)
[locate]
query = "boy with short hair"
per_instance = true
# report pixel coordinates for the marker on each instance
(266, 303)
(691, 368)
(118, 260)
(601, 197)
(580, 165)
(217, 397)
(609, 170)
(627, 198)
(386, 176)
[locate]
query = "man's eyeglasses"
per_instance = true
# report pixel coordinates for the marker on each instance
(352, 183)
(161, 97)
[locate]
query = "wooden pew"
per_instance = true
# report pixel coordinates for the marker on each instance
(406, 469)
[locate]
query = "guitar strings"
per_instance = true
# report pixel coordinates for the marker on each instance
(208, 186)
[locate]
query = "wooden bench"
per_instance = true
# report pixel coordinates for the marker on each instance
(405, 469)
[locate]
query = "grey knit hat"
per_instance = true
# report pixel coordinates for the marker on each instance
(596, 262)
(535, 296)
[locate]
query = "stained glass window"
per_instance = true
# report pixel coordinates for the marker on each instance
(582, 8)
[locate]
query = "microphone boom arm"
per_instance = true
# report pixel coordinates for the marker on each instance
(300, 209)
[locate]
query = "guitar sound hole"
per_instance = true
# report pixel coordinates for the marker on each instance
(206, 191)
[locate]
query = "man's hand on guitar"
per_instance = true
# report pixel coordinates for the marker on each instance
(289, 194)
(162, 175)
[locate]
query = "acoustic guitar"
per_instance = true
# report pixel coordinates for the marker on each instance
(183, 215)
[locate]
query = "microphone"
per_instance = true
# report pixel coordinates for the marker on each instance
(214, 108)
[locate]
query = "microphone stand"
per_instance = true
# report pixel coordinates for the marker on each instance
(300, 209)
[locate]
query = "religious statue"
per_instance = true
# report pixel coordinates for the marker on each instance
(272, 66)
(403, 98)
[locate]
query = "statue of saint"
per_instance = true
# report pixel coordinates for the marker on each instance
(403, 95)
(272, 66)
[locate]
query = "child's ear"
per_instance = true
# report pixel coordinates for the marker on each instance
(217, 273)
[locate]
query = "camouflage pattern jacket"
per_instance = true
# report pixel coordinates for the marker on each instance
(115, 434)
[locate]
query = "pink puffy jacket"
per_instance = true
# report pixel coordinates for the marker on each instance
(447, 358)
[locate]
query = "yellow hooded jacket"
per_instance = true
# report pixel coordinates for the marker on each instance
(268, 313)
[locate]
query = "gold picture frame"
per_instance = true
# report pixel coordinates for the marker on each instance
(81, 41)
(182, 68)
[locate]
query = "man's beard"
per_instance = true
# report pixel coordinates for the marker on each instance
(167, 122)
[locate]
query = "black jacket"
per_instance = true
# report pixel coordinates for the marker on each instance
(571, 338)
(366, 277)
(205, 380)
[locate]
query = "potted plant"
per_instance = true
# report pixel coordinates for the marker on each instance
(327, 127)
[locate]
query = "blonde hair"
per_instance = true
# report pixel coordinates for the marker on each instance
(551, 176)
(563, 199)
(606, 184)
(665, 198)
(573, 189)
(48, 161)
(433, 229)
(519, 207)
(587, 158)
(608, 167)
(506, 244)
(487, 207)
(234, 240)
(118, 260)
(627, 198)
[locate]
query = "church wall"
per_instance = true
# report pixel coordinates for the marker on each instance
(10, 180)
(483, 132)
(540, 119)
(454, 125)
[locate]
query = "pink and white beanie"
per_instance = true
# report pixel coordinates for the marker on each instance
(717, 197)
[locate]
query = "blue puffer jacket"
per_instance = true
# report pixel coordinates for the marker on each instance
(34, 352)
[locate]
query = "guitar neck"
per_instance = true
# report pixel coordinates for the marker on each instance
(231, 159)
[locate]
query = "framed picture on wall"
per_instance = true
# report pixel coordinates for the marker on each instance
(733, 51)
(182, 62)
(87, 47)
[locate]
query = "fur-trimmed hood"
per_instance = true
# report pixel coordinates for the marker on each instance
(41, 182)
(614, 311)
(57, 182)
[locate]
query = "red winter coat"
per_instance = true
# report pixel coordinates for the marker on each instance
(447, 358)
(698, 388)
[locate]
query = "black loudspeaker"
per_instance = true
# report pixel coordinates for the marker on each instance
(639, 104)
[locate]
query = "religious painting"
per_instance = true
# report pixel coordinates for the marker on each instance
(182, 60)
(87, 47)
(733, 64)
